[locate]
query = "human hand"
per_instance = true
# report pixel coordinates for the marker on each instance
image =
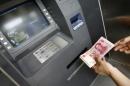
(102, 67)
(123, 45)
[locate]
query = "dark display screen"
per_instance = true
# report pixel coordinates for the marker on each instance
(22, 23)
(4, 1)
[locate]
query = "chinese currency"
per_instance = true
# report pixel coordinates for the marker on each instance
(100, 48)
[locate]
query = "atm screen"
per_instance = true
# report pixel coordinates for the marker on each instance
(22, 23)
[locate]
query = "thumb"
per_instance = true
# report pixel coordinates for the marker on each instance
(98, 60)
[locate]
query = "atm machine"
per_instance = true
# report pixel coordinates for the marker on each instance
(41, 41)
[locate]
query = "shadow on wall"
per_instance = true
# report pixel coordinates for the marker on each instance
(117, 21)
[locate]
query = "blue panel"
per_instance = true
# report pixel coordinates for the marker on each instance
(76, 21)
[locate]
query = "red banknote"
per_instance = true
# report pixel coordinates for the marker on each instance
(100, 48)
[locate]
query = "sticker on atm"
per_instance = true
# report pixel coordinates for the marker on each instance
(76, 21)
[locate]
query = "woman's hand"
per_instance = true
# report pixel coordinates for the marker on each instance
(102, 67)
(123, 45)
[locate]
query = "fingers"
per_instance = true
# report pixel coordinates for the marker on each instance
(119, 47)
(122, 41)
(123, 49)
(98, 59)
(127, 39)
(120, 44)
(117, 43)
(98, 62)
(127, 51)
(103, 59)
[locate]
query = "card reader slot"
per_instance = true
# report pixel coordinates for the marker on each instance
(75, 59)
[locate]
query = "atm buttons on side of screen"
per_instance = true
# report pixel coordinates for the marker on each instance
(1, 38)
(8, 47)
(44, 10)
(47, 14)
(5, 43)
(49, 17)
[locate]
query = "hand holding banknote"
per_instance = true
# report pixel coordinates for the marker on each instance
(94, 58)
(102, 67)
(100, 48)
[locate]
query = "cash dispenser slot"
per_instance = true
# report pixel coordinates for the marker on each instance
(76, 59)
